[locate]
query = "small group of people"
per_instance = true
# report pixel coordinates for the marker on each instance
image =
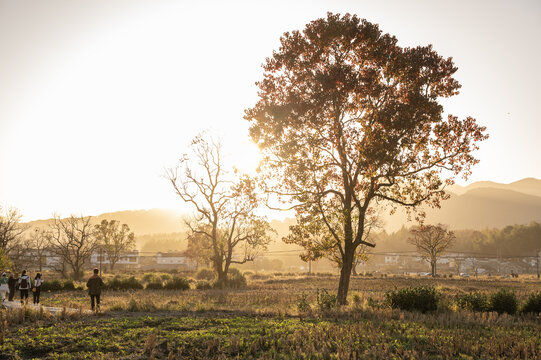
(8, 285)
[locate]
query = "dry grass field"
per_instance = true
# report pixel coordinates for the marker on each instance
(277, 316)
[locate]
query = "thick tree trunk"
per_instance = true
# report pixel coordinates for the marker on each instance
(345, 275)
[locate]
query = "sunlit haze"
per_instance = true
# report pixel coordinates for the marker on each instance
(97, 97)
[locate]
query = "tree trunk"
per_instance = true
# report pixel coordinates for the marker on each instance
(343, 285)
(433, 266)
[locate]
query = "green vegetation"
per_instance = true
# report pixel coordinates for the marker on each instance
(281, 316)
(504, 301)
(420, 298)
(211, 336)
(532, 304)
(177, 283)
(473, 301)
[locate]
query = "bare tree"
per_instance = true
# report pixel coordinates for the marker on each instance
(115, 239)
(11, 229)
(38, 243)
(431, 242)
(224, 206)
(72, 241)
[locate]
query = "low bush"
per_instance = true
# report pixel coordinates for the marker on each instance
(203, 285)
(235, 279)
(420, 298)
(325, 301)
(258, 276)
(303, 306)
(155, 284)
(124, 284)
(149, 277)
(177, 283)
(52, 285)
(205, 274)
(504, 301)
(357, 300)
(166, 277)
(473, 301)
(68, 285)
(532, 304)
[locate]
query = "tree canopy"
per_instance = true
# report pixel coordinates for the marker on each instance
(349, 120)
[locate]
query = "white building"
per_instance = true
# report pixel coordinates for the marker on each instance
(126, 259)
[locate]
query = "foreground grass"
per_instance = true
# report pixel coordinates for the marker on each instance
(263, 321)
(219, 335)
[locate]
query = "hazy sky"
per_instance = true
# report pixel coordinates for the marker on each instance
(97, 97)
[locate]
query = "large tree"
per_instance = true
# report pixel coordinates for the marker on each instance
(431, 241)
(115, 239)
(349, 120)
(224, 207)
(72, 242)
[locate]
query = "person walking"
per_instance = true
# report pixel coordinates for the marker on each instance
(25, 283)
(4, 287)
(12, 284)
(36, 290)
(94, 285)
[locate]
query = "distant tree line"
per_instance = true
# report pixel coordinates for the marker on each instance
(70, 241)
(512, 240)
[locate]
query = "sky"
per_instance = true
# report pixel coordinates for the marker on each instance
(99, 97)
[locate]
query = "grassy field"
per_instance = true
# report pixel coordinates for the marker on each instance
(263, 321)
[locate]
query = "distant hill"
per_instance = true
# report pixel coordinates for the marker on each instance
(529, 186)
(141, 222)
(476, 206)
(481, 205)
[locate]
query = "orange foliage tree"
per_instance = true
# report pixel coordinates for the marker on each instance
(348, 119)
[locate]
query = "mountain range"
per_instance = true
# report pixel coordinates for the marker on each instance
(476, 206)
(483, 204)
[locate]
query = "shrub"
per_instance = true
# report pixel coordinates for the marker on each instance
(420, 298)
(532, 304)
(235, 279)
(325, 301)
(357, 300)
(504, 301)
(203, 285)
(155, 284)
(177, 283)
(257, 276)
(205, 274)
(52, 285)
(303, 306)
(126, 284)
(374, 303)
(166, 277)
(68, 285)
(149, 277)
(474, 301)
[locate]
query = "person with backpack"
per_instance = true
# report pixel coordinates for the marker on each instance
(94, 285)
(4, 288)
(12, 284)
(24, 285)
(36, 290)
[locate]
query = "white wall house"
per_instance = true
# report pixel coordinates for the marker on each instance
(129, 258)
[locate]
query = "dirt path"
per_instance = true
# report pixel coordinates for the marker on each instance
(16, 304)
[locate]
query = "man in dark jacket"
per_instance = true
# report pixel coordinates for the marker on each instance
(94, 285)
